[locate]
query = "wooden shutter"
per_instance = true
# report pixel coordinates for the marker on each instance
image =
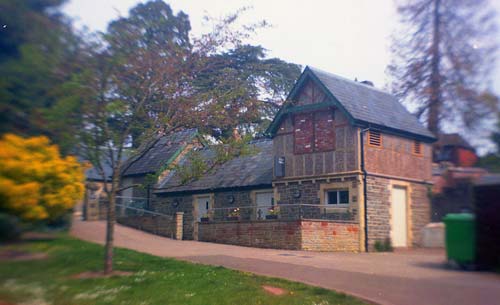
(303, 133)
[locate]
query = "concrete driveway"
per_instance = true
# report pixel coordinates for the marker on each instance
(405, 277)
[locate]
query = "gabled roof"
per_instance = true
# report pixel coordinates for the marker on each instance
(254, 170)
(92, 174)
(364, 105)
(453, 139)
(158, 153)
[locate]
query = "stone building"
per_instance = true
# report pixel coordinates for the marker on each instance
(142, 171)
(345, 166)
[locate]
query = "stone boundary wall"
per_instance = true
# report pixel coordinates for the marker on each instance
(331, 236)
(168, 226)
(314, 235)
(262, 234)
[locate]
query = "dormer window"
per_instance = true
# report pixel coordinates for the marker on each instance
(375, 138)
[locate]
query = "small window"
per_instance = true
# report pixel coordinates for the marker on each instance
(417, 147)
(337, 197)
(375, 138)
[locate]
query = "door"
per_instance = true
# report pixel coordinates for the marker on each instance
(203, 204)
(264, 202)
(399, 227)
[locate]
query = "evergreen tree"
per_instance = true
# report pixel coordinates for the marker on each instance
(442, 57)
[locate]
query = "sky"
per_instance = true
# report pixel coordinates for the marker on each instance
(350, 38)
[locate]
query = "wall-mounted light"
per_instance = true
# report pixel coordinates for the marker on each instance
(230, 199)
(175, 203)
(296, 193)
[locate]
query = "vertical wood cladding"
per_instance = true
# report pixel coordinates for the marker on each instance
(311, 94)
(333, 132)
(396, 157)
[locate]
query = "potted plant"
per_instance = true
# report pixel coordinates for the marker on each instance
(204, 218)
(234, 214)
(273, 213)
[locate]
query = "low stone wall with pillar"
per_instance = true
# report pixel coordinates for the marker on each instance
(313, 235)
(164, 225)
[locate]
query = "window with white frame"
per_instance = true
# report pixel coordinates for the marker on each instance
(337, 197)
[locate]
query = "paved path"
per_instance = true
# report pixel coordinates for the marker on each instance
(406, 277)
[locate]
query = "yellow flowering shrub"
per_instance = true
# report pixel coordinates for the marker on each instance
(36, 183)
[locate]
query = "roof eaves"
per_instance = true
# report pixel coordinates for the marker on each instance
(394, 131)
(270, 132)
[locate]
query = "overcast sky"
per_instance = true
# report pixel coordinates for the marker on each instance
(350, 38)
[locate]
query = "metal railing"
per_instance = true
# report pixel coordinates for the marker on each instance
(132, 207)
(282, 212)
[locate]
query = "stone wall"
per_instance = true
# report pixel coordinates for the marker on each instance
(261, 234)
(291, 235)
(168, 226)
(379, 209)
(311, 193)
(165, 204)
(321, 235)
(173, 204)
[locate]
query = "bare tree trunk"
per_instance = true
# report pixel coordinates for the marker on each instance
(110, 227)
(435, 99)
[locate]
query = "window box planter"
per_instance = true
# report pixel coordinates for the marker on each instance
(204, 219)
(271, 216)
(232, 218)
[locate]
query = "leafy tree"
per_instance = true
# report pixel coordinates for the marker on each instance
(491, 161)
(237, 75)
(244, 74)
(36, 183)
(442, 58)
(156, 89)
(38, 54)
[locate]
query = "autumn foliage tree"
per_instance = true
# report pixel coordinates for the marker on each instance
(36, 183)
(443, 54)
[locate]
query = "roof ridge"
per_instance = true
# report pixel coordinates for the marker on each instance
(313, 69)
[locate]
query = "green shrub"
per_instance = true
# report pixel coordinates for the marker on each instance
(383, 246)
(10, 228)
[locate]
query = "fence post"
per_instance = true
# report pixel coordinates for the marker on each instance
(179, 219)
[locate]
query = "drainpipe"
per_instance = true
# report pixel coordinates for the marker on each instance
(363, 170)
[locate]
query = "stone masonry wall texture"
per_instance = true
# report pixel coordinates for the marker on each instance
(379, 210)
(261, 234)
(291, 235)
(159, 225)
(330, 236)
(166, 205)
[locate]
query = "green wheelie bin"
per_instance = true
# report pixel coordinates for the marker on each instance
(460, 238)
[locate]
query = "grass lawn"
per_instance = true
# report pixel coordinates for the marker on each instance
(154, 280)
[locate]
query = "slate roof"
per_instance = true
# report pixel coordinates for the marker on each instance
(453, 139)
(491, 179)
(158, 153)
(366, 105)
(93, 175)
(252, 170)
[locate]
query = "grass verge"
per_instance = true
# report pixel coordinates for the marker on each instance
(154, 280)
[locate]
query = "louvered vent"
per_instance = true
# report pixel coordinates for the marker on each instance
(417, 147)
(375, 139)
